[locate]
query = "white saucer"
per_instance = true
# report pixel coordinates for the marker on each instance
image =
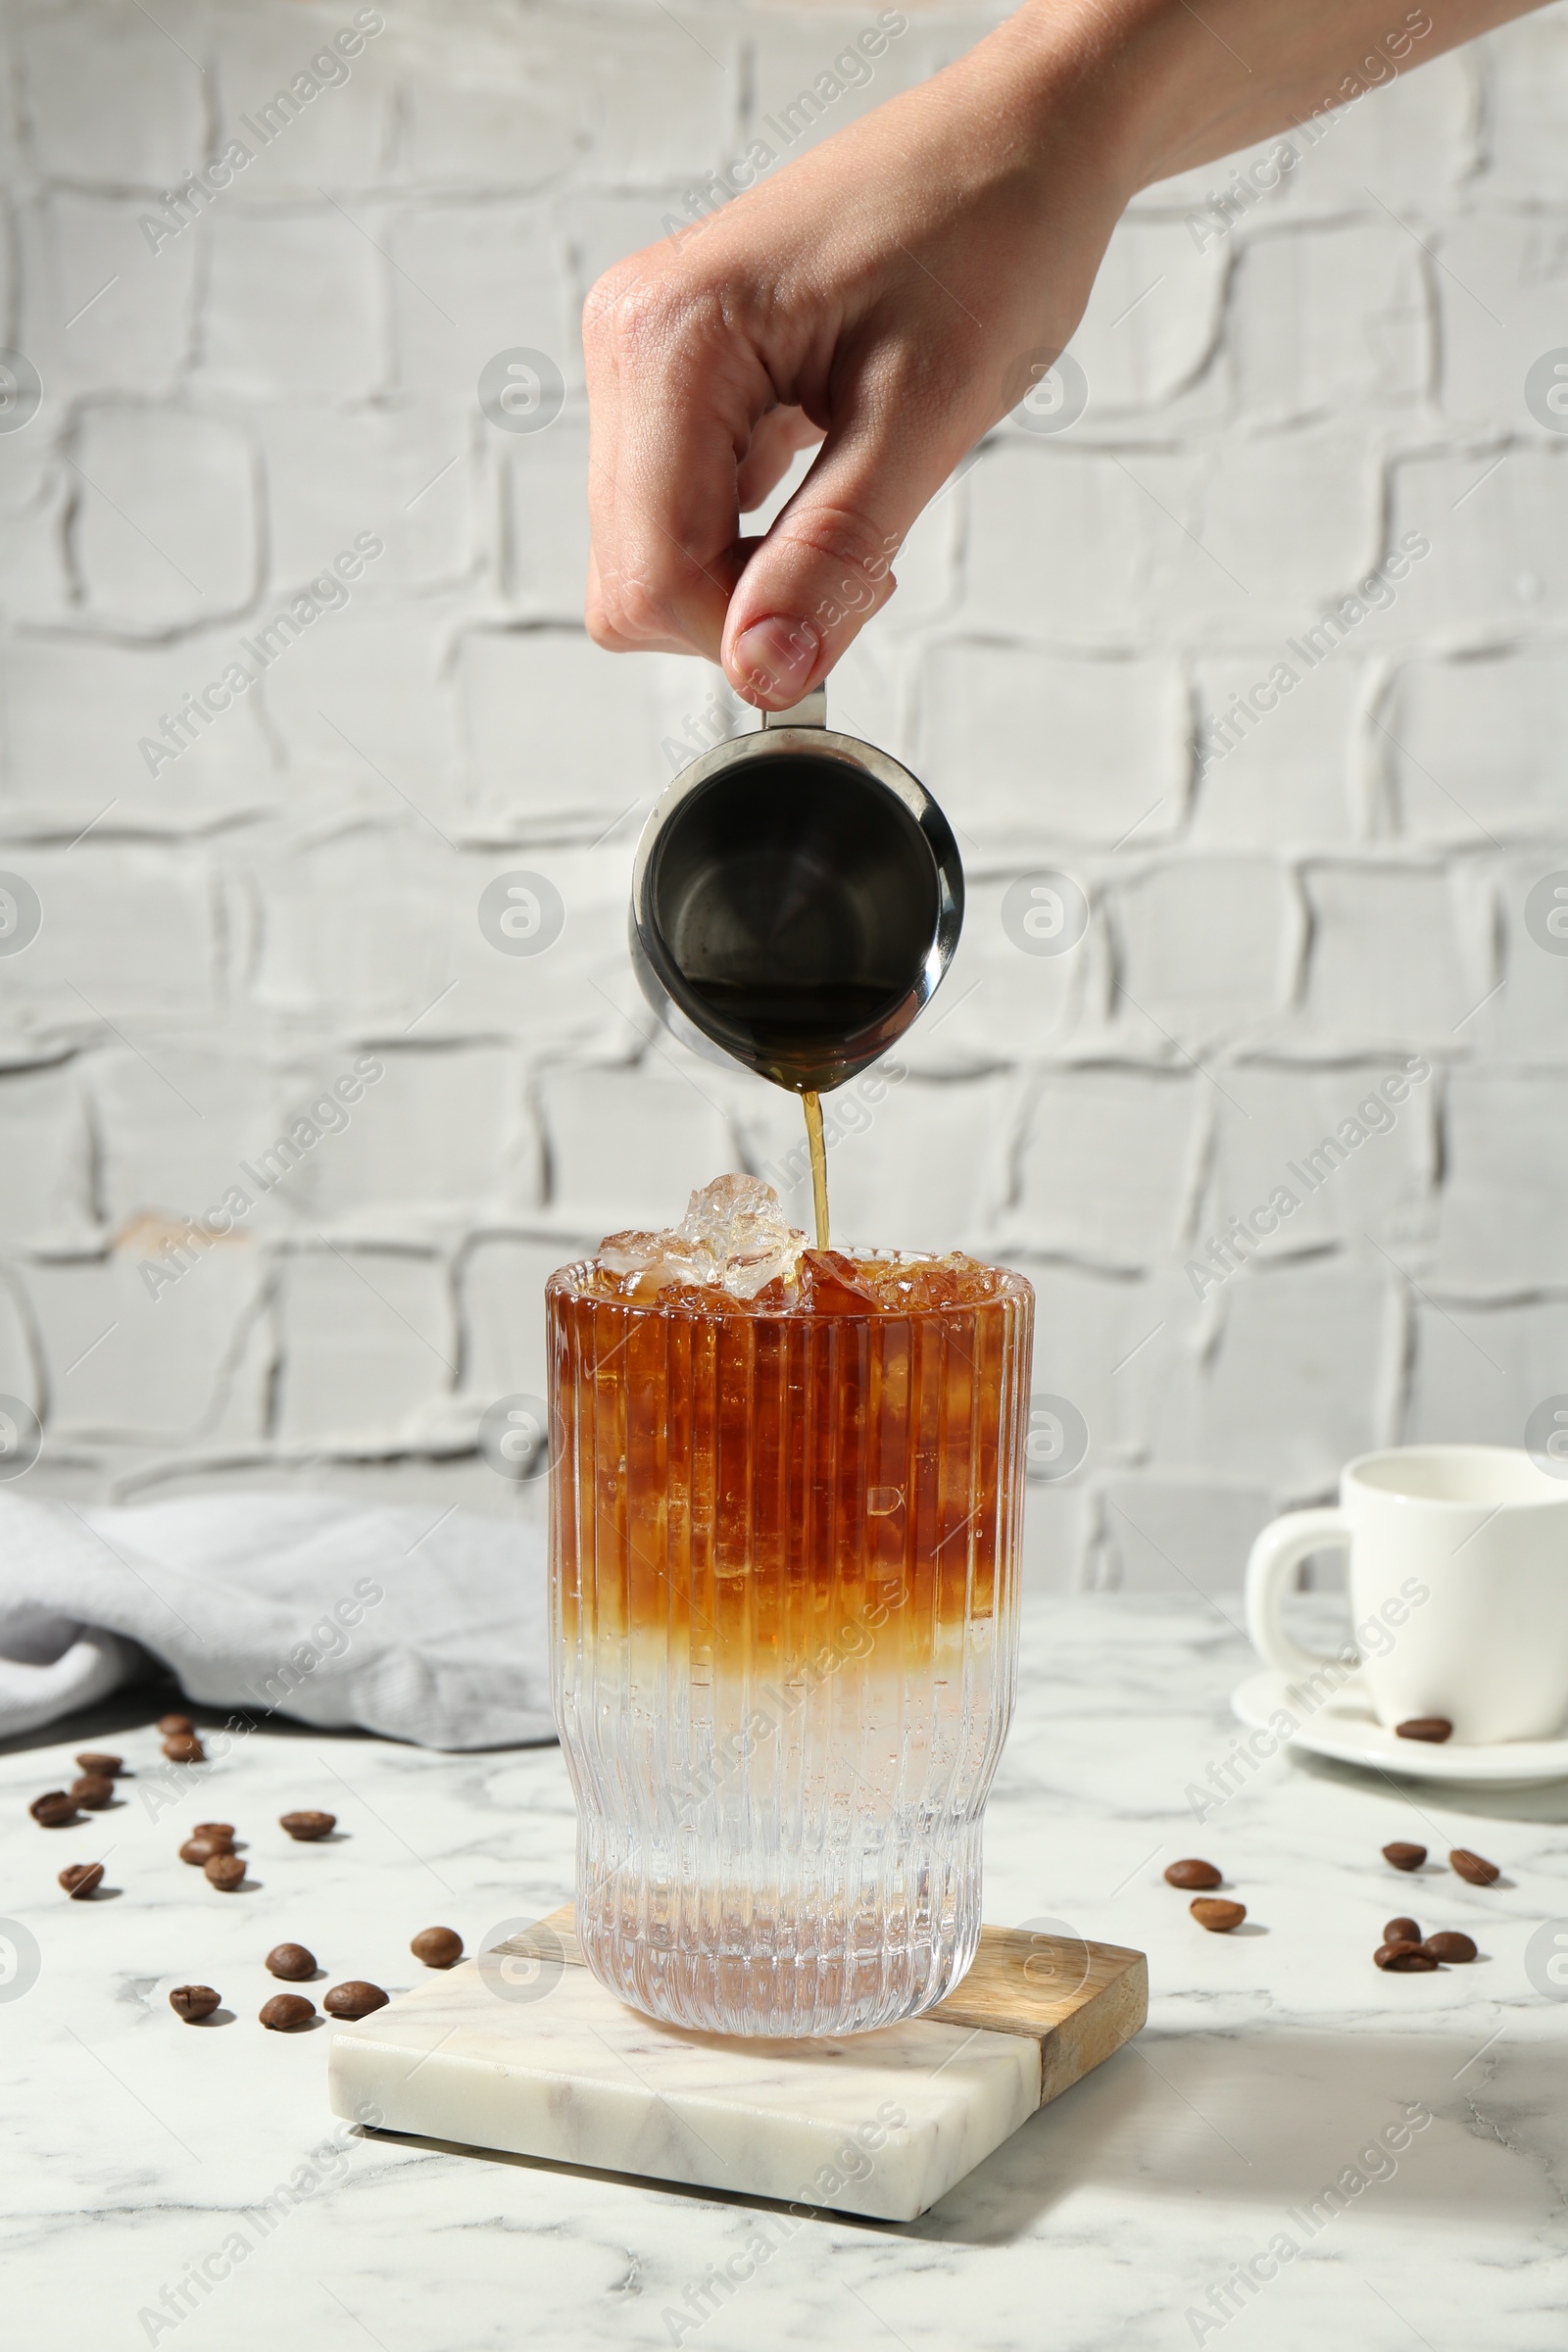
(1344, 1727)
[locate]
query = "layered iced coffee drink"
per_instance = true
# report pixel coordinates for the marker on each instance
(786, 1493)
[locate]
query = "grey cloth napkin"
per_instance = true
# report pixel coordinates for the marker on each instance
(419, 1624)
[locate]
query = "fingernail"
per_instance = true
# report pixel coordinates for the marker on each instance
(775, 657)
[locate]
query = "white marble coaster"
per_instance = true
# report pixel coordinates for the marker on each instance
(877, 2123)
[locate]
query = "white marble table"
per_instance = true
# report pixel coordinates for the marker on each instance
(1273, 2061)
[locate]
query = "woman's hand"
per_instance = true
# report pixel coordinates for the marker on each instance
(886, 295)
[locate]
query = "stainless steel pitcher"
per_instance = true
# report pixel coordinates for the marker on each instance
(795, 899)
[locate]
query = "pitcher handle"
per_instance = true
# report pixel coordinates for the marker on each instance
(813, 713)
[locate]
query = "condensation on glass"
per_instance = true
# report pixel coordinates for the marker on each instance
(784, 1576)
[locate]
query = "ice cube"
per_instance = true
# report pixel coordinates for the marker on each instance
(738, 1221)
(912, 1283)
(956, 1280)
(834, 1283)
(725, 1213)
(645, 1263)
(732, 1238)
(831, 1284)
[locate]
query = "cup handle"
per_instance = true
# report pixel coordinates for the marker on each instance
(1278, 1551)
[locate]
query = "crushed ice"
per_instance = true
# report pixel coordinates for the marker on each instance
(732, 1238)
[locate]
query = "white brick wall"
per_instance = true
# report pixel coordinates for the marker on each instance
(1270, 931)
(194, 475)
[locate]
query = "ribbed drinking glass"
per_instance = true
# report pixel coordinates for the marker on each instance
(784, 1584)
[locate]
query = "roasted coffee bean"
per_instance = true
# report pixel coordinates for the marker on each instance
(97, 1766)
(200, 1850)
(168, 1725)
(1405, 1959)
(1405, 1857)
(1401, 1930)
(80, 1878)
(1474, 1867)
(1217, 1917)
(292, 1962)
(93, 1790)
(1434, 1727)
(308, 1827)
(54, 1810)
(437, 1947)
(184, 1747)
(354, 2000)
(1449, 1945)
(224, 1871)
(1193, 1873)
(287, 2012)
(221, 1833)
(193, 2002)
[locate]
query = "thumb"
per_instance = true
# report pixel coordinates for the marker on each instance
(826, 565)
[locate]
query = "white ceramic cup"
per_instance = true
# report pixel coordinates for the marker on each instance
(1458, 1588)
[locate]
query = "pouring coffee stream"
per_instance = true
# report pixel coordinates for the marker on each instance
(812, 1105)
(797, 899)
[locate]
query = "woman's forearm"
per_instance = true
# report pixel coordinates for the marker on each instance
(1178, 85)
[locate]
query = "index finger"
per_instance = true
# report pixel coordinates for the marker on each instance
(673, 396)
